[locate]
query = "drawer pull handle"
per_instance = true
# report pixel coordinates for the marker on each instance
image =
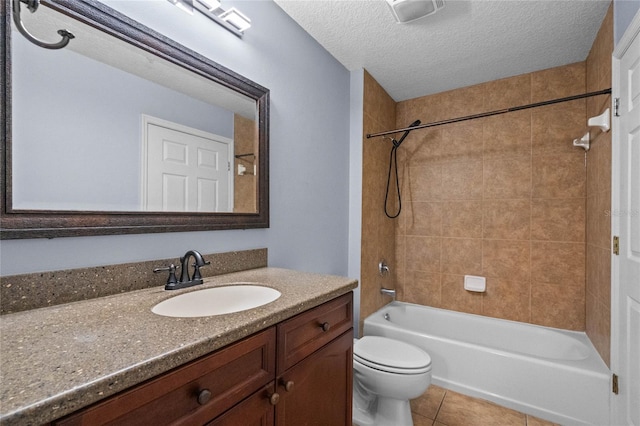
(274, 399)
(325, 326)
(288, 386)
(204, 396)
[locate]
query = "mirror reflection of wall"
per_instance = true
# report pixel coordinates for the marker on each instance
(78, 128)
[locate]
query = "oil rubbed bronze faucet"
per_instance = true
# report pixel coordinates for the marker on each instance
(185, 280)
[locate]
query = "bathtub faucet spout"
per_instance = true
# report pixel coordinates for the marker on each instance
(388, 292)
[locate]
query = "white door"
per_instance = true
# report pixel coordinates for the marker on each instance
(185, 169)
(626, 224)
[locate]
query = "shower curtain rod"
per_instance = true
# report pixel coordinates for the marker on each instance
(488, 114)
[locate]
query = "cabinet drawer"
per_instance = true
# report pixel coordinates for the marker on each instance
(307, 332)
(218, 380)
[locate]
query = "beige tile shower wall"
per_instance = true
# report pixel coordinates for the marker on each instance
(245, 142)
(598, 264)
(501, 197)
(378, 231)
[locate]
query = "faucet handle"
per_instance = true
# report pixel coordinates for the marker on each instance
(383, 268)
(170, 268)
(196, 272)
(172, 280)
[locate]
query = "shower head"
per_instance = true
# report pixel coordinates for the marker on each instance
(406, 132)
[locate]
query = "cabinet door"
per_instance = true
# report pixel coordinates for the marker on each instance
(319, 387)
(257, 410)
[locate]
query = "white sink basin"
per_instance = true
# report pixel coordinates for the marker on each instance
(235, 297)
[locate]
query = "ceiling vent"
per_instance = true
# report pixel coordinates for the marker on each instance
(409, 10)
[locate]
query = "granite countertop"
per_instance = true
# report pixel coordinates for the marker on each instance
(58, 359)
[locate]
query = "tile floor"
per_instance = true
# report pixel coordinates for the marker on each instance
(442, 407)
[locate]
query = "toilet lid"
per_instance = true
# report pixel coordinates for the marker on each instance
(391, 355)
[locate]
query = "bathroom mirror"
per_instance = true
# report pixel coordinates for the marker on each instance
(124, 131)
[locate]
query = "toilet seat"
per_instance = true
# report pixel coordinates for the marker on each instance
(390, 355)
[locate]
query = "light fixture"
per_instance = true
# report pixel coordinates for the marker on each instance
(232, 19)
(237, 19)
(210, 4)
(405, 11)
(184, 5)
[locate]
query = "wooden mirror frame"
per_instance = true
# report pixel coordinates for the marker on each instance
(15, 224)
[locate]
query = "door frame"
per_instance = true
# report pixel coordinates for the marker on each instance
(146, 120)
(623, 45)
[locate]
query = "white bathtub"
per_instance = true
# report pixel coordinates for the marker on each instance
(550, 373)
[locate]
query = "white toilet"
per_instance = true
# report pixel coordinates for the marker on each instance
(387, 373)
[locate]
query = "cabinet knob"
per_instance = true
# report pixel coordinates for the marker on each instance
(325, 326)
(204, 396)
(288, 385)
(274, 399)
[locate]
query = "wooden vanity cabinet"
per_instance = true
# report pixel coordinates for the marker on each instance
(192, 394)
(320, 387)
(315, 366)
(296, 373)
(257, 410)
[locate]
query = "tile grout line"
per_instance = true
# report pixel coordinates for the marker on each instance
(440, 407)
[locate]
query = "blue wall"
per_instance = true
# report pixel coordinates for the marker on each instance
(623, 13)
(309, 153)
(355, 183)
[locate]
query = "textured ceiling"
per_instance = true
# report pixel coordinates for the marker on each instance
(468, 42)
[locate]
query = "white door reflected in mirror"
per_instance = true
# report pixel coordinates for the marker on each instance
(185, 169)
